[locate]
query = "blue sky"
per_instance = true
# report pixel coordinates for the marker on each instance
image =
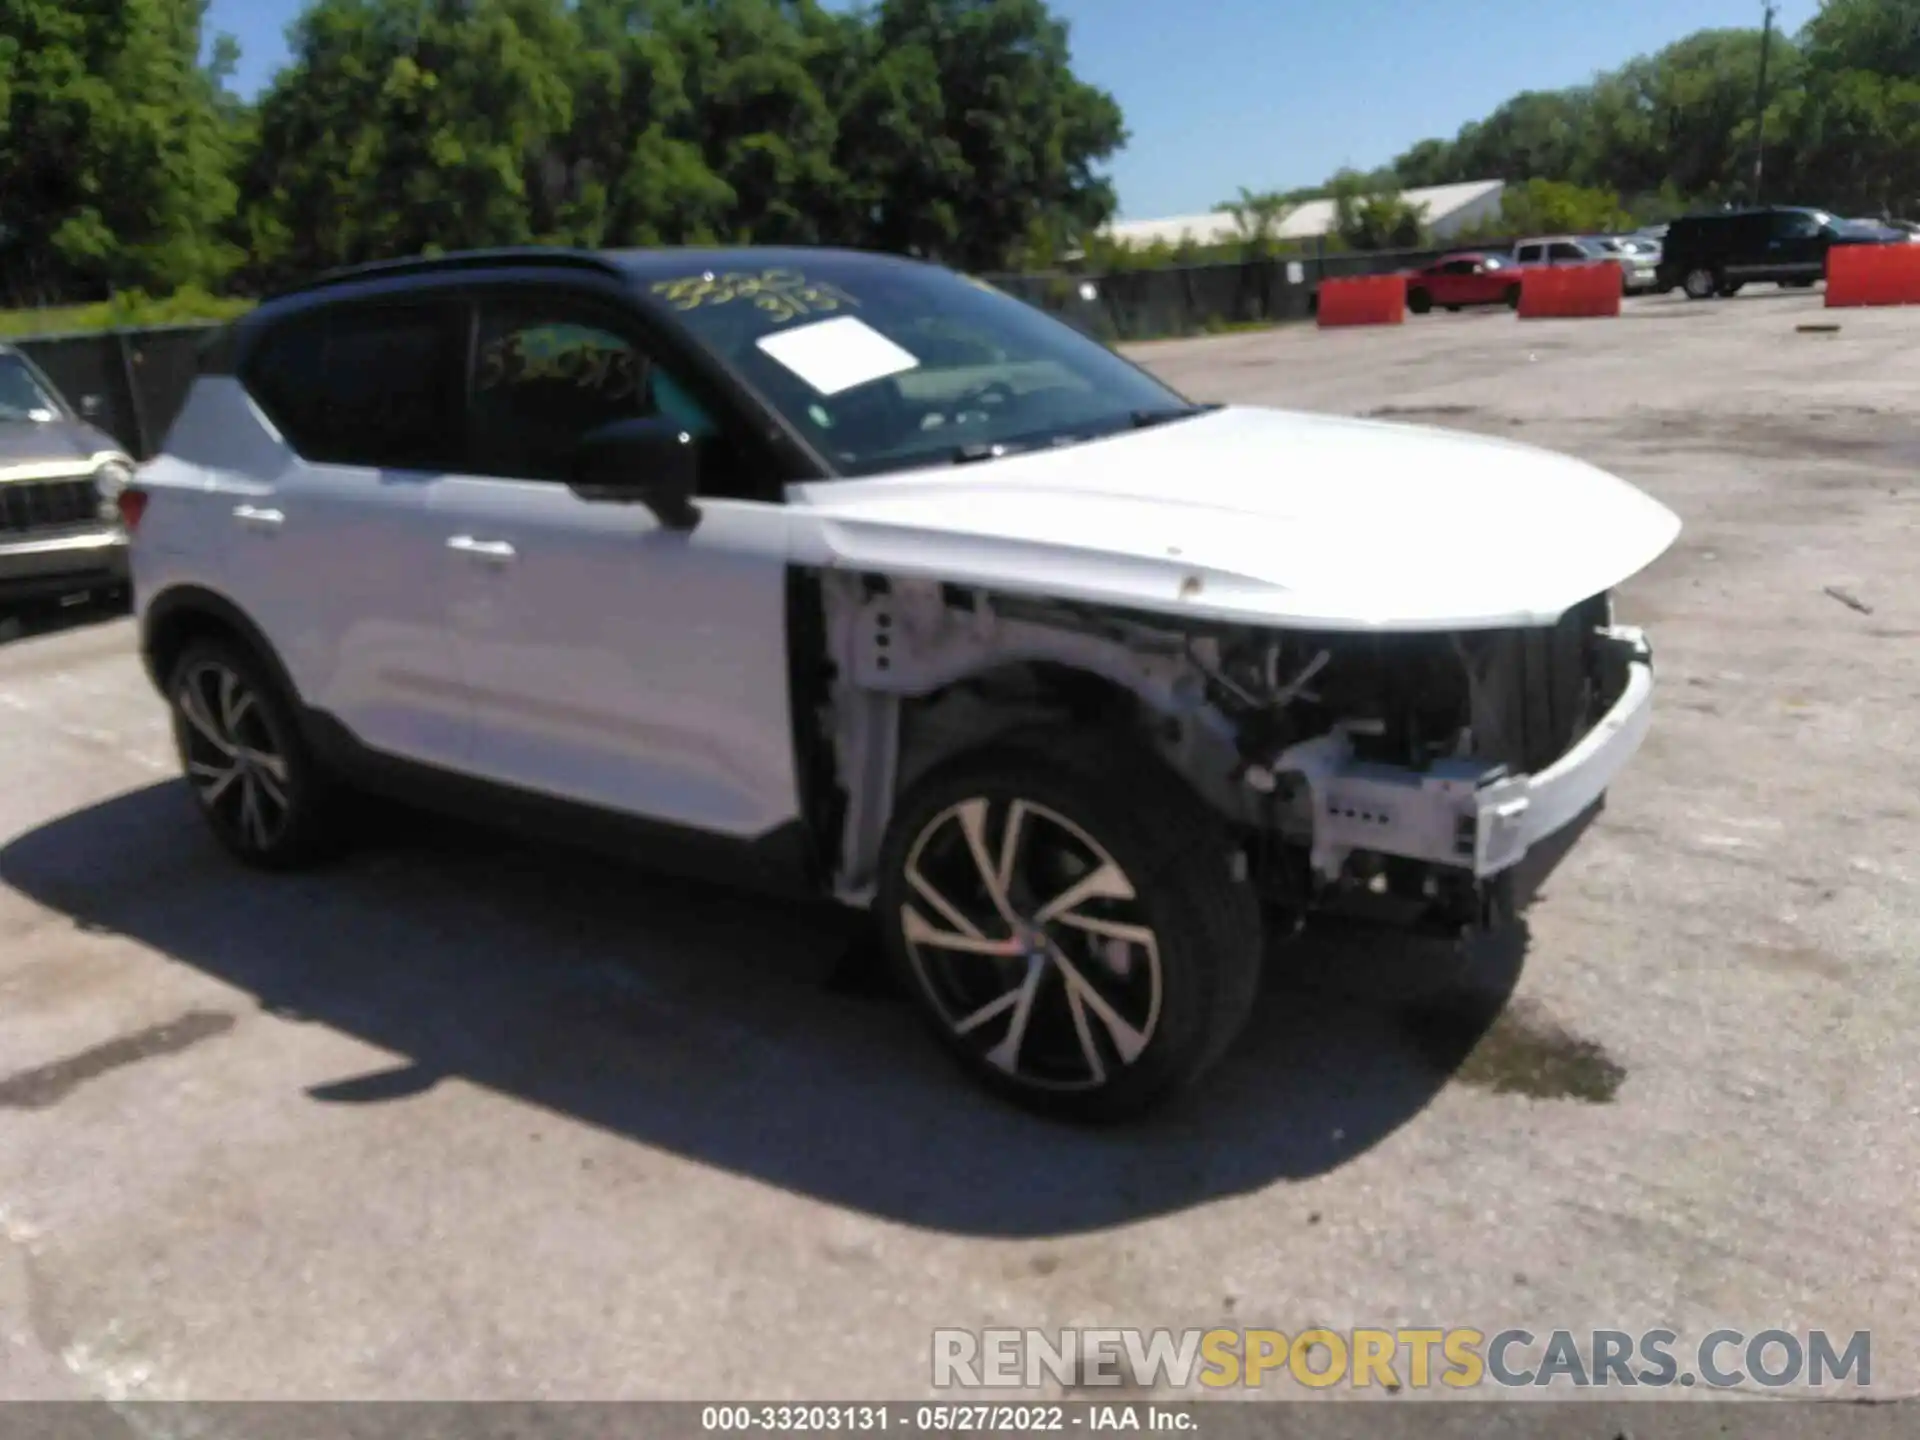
(1273, 94)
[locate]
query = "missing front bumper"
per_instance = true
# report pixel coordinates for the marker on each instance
(1462, 815)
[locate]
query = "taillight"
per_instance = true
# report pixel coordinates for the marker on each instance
(133, 504)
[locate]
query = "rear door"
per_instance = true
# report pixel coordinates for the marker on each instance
(334, 553)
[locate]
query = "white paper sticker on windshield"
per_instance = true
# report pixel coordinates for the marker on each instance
(838, 354)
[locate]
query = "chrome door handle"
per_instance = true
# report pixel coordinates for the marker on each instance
(496, 550)
(258, 518)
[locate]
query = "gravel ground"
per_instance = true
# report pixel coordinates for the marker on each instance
(464, 1120)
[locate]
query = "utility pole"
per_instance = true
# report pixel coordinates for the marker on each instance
(1760, 103)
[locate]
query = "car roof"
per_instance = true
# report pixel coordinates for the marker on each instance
(640, 265)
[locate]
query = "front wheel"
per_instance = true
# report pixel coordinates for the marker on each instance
(1074, 924)
(1419, 302)
(1513, 297)
(258, 786)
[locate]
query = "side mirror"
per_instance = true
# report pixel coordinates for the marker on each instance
(650, 462)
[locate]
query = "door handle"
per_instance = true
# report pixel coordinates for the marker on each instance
(498, 551)
(257, 518)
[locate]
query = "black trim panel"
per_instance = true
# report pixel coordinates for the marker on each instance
(188, 603)
(779, 862)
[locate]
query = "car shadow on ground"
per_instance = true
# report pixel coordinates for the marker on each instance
(25, 620)
(697, 1021)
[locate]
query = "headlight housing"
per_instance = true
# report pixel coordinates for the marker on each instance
(109, 479)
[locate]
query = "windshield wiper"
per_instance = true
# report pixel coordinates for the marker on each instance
(1143, 419)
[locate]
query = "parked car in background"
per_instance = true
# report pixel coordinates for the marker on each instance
(1635, 272)
(841, 575)
(1718, 253)
(1472, 277)
(1639, 258)
(60, 478)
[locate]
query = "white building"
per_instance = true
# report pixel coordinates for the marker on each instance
(1449, 210)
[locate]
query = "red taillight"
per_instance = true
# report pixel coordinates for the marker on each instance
(133, 504)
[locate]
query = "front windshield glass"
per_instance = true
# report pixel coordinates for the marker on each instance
(22, 397)
(885, 366)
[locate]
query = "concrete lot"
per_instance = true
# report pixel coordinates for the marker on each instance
(464, 1120)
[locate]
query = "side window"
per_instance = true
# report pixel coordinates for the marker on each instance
(372, 387)
(1528, 254)
(548, 372)
(1459, 267)
(1793, 226)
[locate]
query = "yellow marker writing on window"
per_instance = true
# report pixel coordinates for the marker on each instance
(782, 295)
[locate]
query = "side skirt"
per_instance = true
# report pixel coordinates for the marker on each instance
(779, 863)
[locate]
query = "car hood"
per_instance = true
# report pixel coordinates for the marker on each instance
(28, 447)
(1261, 516)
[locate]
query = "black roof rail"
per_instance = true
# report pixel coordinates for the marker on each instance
(524, 255)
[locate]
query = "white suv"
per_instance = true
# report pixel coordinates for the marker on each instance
(846, 575)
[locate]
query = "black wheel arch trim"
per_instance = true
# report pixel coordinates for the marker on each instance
(182, 602)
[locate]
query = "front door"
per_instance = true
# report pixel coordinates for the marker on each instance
(612, 660)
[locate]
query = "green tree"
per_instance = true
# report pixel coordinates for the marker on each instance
(1368, 216)
(1258, 216)
(116, 149)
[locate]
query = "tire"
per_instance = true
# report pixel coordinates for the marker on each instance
(1115, 1020)
(1419, 301)
(1701, 283)
(1453, 309)
(254, 779)
(1513, 297)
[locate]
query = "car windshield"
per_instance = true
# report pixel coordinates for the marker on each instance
(887, 366)
(22, 397)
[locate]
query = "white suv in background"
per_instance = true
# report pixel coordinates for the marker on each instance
(844, 575)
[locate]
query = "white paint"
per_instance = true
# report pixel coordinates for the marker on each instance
(1262, 516)
(836, 355)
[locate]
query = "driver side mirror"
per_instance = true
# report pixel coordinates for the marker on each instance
(651, 462)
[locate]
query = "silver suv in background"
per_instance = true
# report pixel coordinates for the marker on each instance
(60, 482)
(1636, 272)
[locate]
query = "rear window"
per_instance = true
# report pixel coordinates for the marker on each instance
(376, 387)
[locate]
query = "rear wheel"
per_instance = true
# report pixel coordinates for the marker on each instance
(1701, 284)
(1074, 924)
(258, 786)
(1513, 297)
(1419, 301)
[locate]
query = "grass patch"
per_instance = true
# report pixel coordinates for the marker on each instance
(128, 310)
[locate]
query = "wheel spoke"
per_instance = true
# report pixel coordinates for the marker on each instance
(1010, 838)
(268, 762)
(270, 786)
(1006, 1055)
(973, 824)
(252, 823)
(235, 701)
(1127, 1041)
(948, 910)
(215, 780)
(1106, 882)
(1096, 1070)
(919, 931)
(987, 1011)
(1109, 929)
(194, 707)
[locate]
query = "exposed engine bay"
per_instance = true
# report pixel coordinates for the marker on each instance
(1355, 766)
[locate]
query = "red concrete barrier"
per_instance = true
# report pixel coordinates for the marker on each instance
(1873, 275)
(1363, 300)
(1570, 292)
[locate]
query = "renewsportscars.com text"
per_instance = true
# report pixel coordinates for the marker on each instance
(1401, 1359)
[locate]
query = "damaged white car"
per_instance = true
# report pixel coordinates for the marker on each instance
(842, 575)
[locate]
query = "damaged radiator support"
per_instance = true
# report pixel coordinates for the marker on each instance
(1343, 747)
